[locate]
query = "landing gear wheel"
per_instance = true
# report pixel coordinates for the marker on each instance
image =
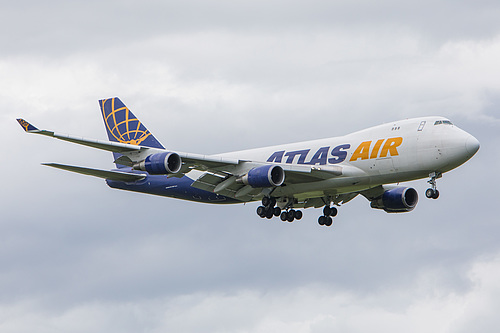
(270, 213)
(333, 211)
(268, 202)
(284, 216)
(329, 221)
(322, 220)
(261, 211)
(277, 211)
(291, 215)
(298, 214)
(432, 194)
(330, 211)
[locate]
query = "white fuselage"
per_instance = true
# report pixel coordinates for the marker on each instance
(394, 152)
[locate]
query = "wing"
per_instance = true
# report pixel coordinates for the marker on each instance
(104, 145)
(220, 172)
(221, 178)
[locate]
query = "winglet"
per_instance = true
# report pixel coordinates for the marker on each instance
(27, 126)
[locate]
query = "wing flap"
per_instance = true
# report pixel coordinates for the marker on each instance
(106, 174)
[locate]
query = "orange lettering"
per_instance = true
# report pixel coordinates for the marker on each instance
(362, 151)
(390, 146)
(375, 150)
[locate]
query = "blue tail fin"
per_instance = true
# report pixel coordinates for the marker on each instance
(122, 126)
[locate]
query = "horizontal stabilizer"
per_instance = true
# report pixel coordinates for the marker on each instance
(106, 174)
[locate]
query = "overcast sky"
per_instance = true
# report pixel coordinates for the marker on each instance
(215, 76)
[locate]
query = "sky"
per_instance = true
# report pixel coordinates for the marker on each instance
(216, 76)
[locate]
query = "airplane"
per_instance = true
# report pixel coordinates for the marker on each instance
(284, 178)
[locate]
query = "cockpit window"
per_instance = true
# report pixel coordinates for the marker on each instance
(443, 122)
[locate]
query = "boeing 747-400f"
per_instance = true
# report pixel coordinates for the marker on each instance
(285, 178)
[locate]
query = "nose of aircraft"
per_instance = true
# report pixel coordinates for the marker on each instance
(472, 145)
(458, 147)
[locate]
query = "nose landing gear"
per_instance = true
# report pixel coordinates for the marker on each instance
(433, 193)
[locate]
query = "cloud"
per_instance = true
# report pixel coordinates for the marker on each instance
(221, 76)
(423, 306)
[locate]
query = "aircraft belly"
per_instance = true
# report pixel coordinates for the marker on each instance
(179, 188)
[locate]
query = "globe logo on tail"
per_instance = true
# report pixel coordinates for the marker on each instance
(121, 124)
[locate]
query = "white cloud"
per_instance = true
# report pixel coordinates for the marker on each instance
(421, 307)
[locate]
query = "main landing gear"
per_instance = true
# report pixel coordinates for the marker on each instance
(269, 210)
(433, 193)
(326, 218)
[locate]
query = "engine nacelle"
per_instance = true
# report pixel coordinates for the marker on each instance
(397, 200)
(264, 176)
(160, 164)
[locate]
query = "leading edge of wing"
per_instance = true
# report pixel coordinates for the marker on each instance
(99, 144)
(106, 174)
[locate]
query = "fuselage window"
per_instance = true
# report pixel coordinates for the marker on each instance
(421, 127)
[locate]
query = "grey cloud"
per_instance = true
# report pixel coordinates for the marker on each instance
(56, 27)
(216, 77)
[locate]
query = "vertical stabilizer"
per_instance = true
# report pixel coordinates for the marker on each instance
(124, 127)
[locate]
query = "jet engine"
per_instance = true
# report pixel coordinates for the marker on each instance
(264, 176)
(160, 164)
(397, 200)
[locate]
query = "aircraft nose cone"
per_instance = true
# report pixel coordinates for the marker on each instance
(472, 145)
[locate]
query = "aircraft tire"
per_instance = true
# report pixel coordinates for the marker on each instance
(284, 216)
(435, 195)
(290, 215)
(429, 193)
(329, 221)
(333, 211)
(322, 220)
(277, 211)
(298, 214)
(261, 211)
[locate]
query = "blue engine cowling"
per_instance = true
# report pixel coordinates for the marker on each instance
(160, 164)
(397, 200)
(264, 176)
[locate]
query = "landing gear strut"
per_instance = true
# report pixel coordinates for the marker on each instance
(432, 192)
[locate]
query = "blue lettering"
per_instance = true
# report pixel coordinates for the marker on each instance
(339, 154)
(303, 154)
(276, 157)
(320, 156)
